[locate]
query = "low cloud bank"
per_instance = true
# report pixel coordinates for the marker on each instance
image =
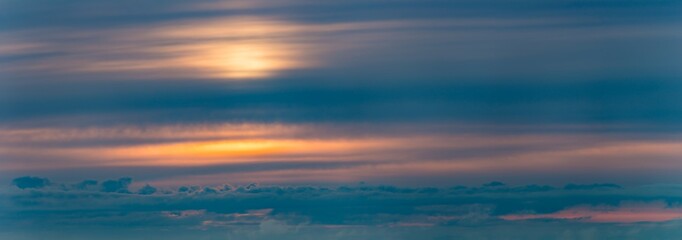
(319, 211)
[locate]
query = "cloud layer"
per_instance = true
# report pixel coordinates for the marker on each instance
(359, 210)
(317, 153)
(307, 98)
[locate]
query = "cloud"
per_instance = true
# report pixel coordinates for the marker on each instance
(591, 186)
(380, 153)
(625, 213)
(283, 40)
(494, 184)
(359, 210)
(498, 200)
(480, 62)
(117, 186)
(147, 190)
(30, 182)
(86, 185)
(574, 88)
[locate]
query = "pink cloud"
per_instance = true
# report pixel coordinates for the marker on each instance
(626, 213)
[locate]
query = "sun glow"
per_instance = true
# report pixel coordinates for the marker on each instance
(234, 48)
(244, 60)
(248, 61)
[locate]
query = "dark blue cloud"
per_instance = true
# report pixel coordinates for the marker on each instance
(334, 208)
(41, 13)
(591, 186)
(637, 102)
(30, 182)
(117, 186)
(355, 199)
(86, 185)
(146, 190)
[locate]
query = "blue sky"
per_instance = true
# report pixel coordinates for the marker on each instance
(398, 101)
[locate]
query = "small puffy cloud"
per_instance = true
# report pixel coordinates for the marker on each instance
(147, 190)
(30, 182)
(210, 190)
(119, 186)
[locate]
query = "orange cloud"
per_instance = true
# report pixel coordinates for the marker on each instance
(358, 156)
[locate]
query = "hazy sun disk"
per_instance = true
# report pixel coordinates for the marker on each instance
(228, 59)
(244, 60)
(236, 48)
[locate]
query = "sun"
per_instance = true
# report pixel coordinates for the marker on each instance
(234, 60)
(245, 60)
(250, 61)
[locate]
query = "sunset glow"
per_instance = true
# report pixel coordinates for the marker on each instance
(340, 120)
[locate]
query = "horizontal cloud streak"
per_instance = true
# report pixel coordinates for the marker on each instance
(340, 153)
(327, 39)
(623, 214)
(638, 103)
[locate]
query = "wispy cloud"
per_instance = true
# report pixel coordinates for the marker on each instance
(626, 213)
(336, 153)
(240, 40)
(304, 119)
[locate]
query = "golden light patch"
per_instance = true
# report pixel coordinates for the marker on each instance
(235, 151)
(243, 60)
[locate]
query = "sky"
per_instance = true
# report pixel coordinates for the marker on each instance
(301, 119)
